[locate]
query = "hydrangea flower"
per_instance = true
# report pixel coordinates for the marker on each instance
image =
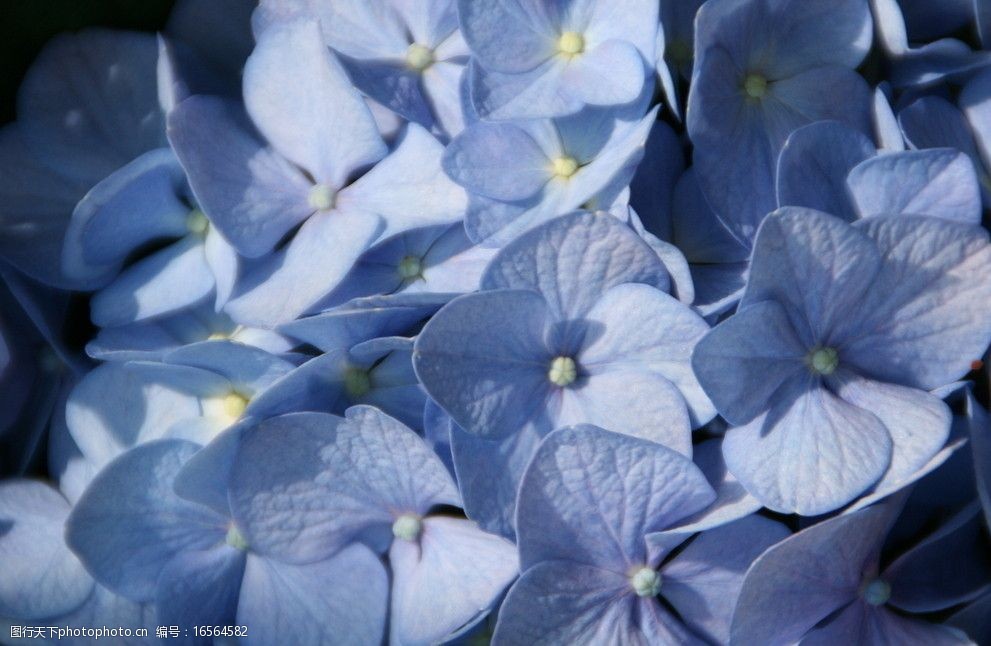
(368, 480)
(192, 562)
(88, 106)
(407, 56)
(596, 563)
(145, 202)
(520, 174)
(827, 385)
(300, 98)
(572, 326)
(533, 59)
(827, 584)
(751, 87)
(45, 582)
(902, 23)
(194, 393)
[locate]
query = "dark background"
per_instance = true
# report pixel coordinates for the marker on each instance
(25, 26)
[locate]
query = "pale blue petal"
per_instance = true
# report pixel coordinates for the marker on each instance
(483, 358)
(814, 164)
(301, 99)
(572, 260)
(342, 600)
(937, 182)
(810, 453)
(590, 496)
(451, 576)
(129, 524)
(42, 577)
(250, 193)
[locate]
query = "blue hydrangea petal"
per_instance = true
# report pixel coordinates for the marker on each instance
(814, 164)
(748, 358)
(787, 36)
(610, 74)
(168, 281)
(918, 422)
(201, 587)
(934, 122)
(888, 485)
(278, 289)
(810, 453)
(887, 132)
(224, 264)
(150, 340)
(394, 85)
(357, 28)
(507, 36)
(204, 477)
(250, 370)
(360, 319)
(732, 499)
(129, 524)
(408, 188)
(812, 248)
(349, 480)
(530, 95)
(104, 230)
(976, 107)
(489, 473)
(38, 203)
(911, 335)
(851, 625)
(898, 629)
(801, 580)
(340, 600)
(703, 581)
(630, 401)
(448, 578)
(590, 496)
(43, 578)
(250, 193)
(937, 182)
(644, 328)
(554, 260)
(484, 360)
(119, 405)
(924, 579)
(583, 604)
(89, 103)
(301, 99)
(498, 160)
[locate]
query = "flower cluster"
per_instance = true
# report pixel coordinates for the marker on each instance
(549, 322)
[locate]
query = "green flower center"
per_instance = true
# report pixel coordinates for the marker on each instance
(877, 592)
(646, 582)
(571, 43)
(197, 222)
(563, 371)
(322, 197)
(234, 405)
(407, 527)
(236, 539)
(824, 360)
(410, 267)
(357, 382)
(419, 57)
(564, 167)
(755, 86)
